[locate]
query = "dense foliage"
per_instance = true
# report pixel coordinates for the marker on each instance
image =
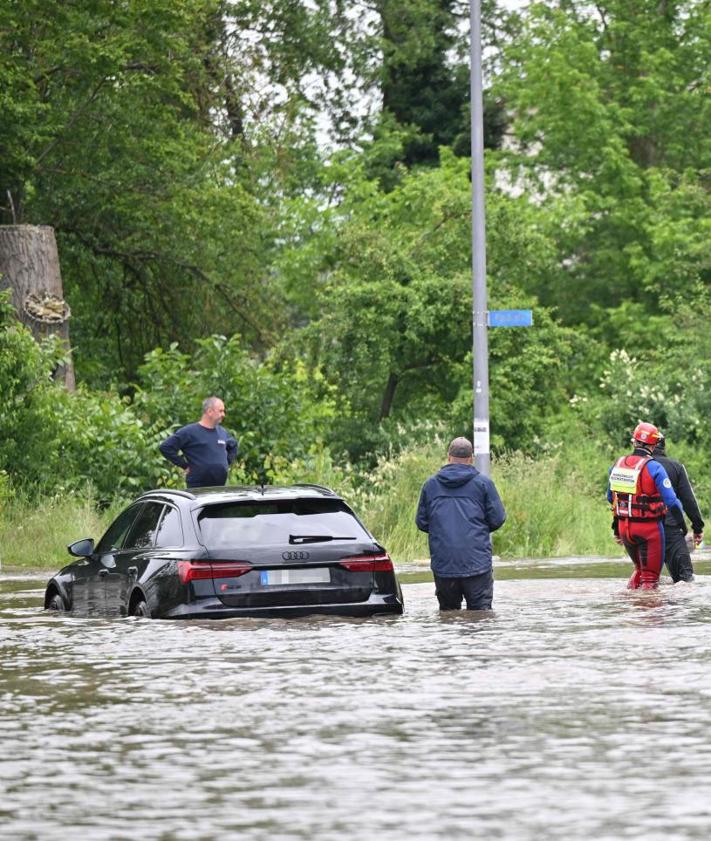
(271, 201)
(107, 446)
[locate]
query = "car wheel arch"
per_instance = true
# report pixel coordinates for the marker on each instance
(51, 593)
(136, 598)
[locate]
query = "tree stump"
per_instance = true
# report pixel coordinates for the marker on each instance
(29, 266)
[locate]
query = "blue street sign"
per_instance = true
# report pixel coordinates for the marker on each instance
(510, 318)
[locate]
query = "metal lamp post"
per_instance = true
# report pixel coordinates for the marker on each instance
(479, 300)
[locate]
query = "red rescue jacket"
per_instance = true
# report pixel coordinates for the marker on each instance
(646, 502)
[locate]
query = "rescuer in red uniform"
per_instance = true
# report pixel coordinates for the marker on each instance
(640, 492)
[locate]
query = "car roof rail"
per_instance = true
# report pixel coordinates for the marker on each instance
(168, 492)
(315, 487)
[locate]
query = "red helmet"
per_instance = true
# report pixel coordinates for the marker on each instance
(646, 434)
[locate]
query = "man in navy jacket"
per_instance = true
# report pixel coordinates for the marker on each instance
(459, 508)
(204, 450)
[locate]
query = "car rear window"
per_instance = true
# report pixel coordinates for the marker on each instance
(257, 523)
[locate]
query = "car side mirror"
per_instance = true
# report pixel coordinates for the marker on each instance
(82, 548)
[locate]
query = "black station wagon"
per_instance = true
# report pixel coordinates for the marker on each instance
(226, 552)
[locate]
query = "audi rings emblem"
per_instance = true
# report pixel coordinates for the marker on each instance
(295, 556)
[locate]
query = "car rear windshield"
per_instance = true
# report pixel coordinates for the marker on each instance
(284, 521)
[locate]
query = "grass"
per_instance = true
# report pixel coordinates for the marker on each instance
(390, 501)
(555, 505)
(34, 534)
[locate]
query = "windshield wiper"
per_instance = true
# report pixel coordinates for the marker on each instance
(316, 538)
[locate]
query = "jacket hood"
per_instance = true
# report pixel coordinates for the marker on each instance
(455, 475)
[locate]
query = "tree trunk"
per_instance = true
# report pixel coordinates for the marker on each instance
(388, 396)
(29, 266)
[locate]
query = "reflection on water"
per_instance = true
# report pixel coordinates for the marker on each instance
(574, 710)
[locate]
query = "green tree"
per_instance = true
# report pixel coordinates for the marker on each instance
(106, 135)
(391, 324)
(422, 79)
(156, 138)
(610, 111)
(419, 87)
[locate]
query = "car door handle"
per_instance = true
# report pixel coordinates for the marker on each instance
(132, 570)
(103, 573)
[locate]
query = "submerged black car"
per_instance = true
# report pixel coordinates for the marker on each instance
(225, 552)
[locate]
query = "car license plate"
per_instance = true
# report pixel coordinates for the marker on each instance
(317, 575)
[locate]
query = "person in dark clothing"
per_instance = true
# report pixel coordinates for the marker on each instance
(677, 556)
(459, 508)
(204, 450)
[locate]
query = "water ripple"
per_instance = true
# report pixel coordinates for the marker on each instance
(574, 710)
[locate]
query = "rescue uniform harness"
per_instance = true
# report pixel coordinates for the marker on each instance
(628, 501)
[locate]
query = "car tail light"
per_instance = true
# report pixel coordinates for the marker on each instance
(197, 570)
(368, 563)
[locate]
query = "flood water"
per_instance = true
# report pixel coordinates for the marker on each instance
(575, 710)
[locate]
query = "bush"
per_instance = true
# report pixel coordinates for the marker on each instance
(26, 427)
(101, 441)
(668, 385)
(52, 439)
(272, 408)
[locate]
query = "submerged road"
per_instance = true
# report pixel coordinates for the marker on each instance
(575, 710)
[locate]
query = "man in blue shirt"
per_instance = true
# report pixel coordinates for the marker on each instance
(207, 449)
(459, 508)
